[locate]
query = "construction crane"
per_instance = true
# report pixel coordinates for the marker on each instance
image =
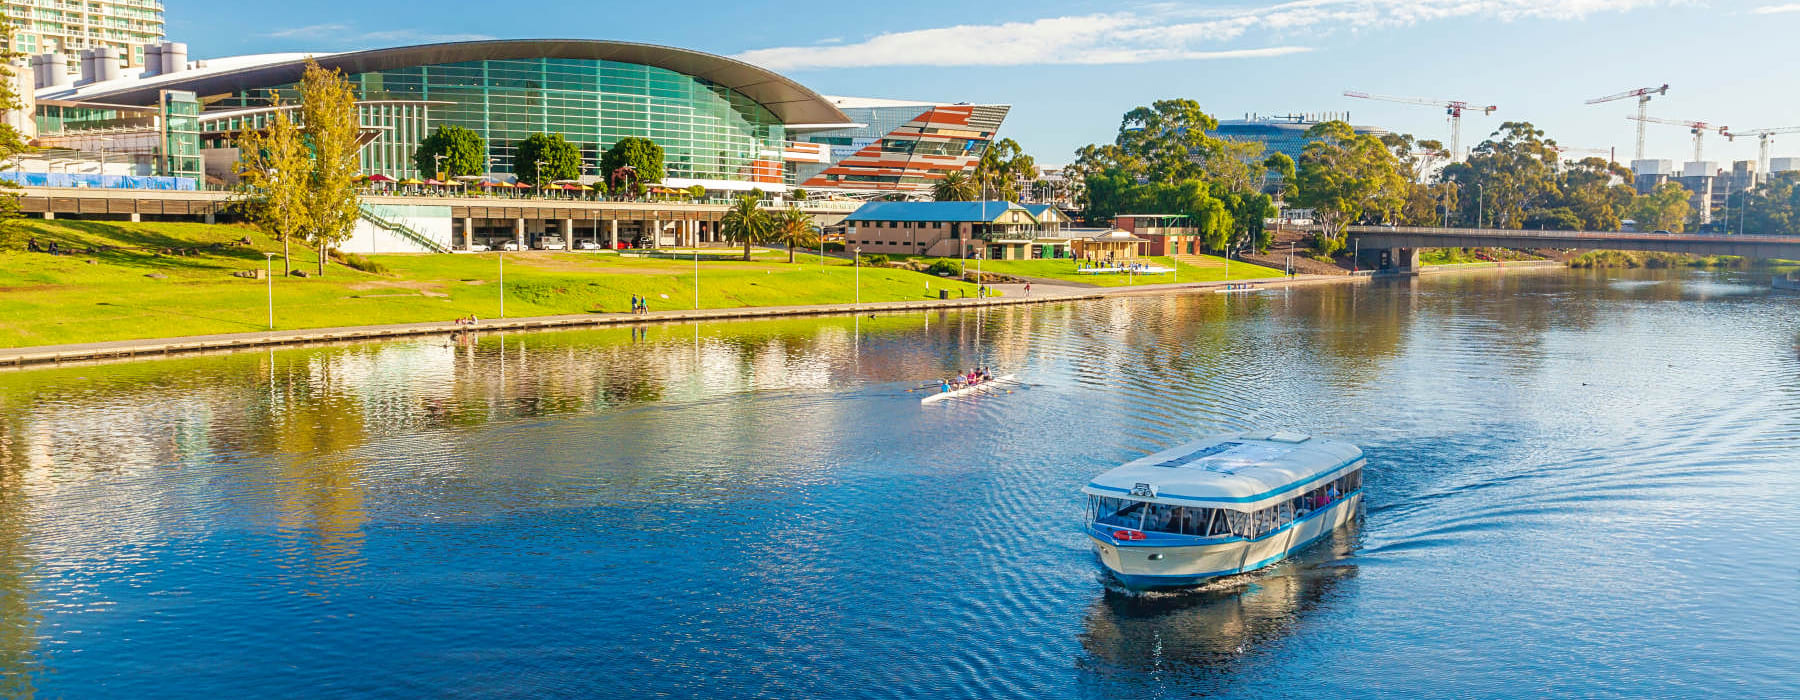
(1643, 97)
(1762, 146)
(1699, 130)
(1453, 108)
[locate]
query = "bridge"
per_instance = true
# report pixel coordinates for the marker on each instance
(1397, 248)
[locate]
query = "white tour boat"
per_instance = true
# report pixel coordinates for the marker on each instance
(1221, 506)
(967, 390)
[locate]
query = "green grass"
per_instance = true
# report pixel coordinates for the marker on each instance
(52, 299)
(1064, 269)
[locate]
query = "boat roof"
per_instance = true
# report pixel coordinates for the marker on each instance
(1245, 471)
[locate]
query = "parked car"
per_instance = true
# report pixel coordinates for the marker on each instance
(478, 248)
(1661, 232)
(588, 245)
(510, 245)
(551, 244)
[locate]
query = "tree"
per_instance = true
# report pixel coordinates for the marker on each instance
(1249, 212)
(1344, 176)
(746, 223)
(12, 142)
(1773, 209)
(954, 187)
(1105, 195)
(1003, 166)
(1512, 172)
(329, 122)
(274, 169)
(1664, 209)
(643, 155)
(794, 228)
(464, 152)
(560, 159)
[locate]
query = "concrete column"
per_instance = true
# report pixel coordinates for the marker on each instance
(519, 232)
(210, 218)
(568, 232)
(1406, 260)
(49, 215)
(468, 232)
(613, 226)
(136, 217)
(656, 233)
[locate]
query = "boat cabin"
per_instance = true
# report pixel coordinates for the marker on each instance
(1242, 486)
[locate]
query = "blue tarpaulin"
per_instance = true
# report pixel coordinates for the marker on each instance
(108, 182)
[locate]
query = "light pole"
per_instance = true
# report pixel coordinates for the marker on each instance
(856, 262)
(696, 277)
(1290, 260)
(269, 275)
(1480, 204)
(437, 160)
(502, 260)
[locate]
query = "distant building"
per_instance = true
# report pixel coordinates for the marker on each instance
(1163, 234)
(68, 28)
(996, 230)
(896, 145)
(1284, 133)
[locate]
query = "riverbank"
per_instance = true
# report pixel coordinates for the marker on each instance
(134, 348)
(113, 281)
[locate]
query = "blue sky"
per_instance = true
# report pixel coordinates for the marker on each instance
(1070, 68)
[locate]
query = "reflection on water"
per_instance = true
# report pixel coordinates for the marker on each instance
(1584, 479)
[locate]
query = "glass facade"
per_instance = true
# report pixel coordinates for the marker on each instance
(706, 130)
(181, 134)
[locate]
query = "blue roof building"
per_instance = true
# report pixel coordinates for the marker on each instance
(998, 230)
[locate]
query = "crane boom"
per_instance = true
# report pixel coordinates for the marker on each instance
(1698, 128)
(1452, 108)
(1642, 93)
(1762, 146)
(1643, 96)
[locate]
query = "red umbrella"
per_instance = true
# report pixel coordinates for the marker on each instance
(378, 177)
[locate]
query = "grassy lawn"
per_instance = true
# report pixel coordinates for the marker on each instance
(50, 299)
(1065, 270)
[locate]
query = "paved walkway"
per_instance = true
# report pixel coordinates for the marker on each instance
(1014, 295)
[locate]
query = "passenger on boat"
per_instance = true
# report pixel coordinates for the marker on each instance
(943, 385)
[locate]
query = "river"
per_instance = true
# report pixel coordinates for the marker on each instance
(1580, 483)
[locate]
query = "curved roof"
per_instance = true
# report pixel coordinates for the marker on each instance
(791, 102)
(1243, 472)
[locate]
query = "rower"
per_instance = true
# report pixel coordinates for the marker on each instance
(944, 385)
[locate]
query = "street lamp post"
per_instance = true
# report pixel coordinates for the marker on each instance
(269, 275)
(1480, 204)
(437, 160)
(856, 262)
(696, 277)
(502, 261)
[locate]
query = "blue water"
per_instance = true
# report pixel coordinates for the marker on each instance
(1579, 484)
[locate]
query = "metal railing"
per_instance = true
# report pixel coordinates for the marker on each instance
(402, 230)
(1585, 235)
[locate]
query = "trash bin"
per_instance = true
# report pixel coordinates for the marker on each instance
(943, 294)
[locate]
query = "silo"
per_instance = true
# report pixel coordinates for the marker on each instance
(174, 57)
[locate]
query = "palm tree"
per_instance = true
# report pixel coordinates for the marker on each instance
(746, 223)
(795, 228)
(955, 187)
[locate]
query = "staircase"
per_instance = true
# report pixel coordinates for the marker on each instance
(401, 230)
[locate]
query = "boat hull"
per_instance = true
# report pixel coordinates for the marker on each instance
(1187, 565)
(981, 388)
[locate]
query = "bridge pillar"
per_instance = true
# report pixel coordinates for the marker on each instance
(1405, 260)
(468, 232)
(519, 232)
(613, 226)
(568, 232)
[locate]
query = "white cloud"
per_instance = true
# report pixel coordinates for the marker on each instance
(1161, 32)
(1776, 9)
(310, 31)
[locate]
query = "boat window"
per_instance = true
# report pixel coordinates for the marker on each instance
(1118, 511)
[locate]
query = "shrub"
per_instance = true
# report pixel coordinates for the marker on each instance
(874, 259)
(943, 268)
(361, 263)
(834, 247)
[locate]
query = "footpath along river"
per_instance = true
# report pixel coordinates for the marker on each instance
(1580, 483)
